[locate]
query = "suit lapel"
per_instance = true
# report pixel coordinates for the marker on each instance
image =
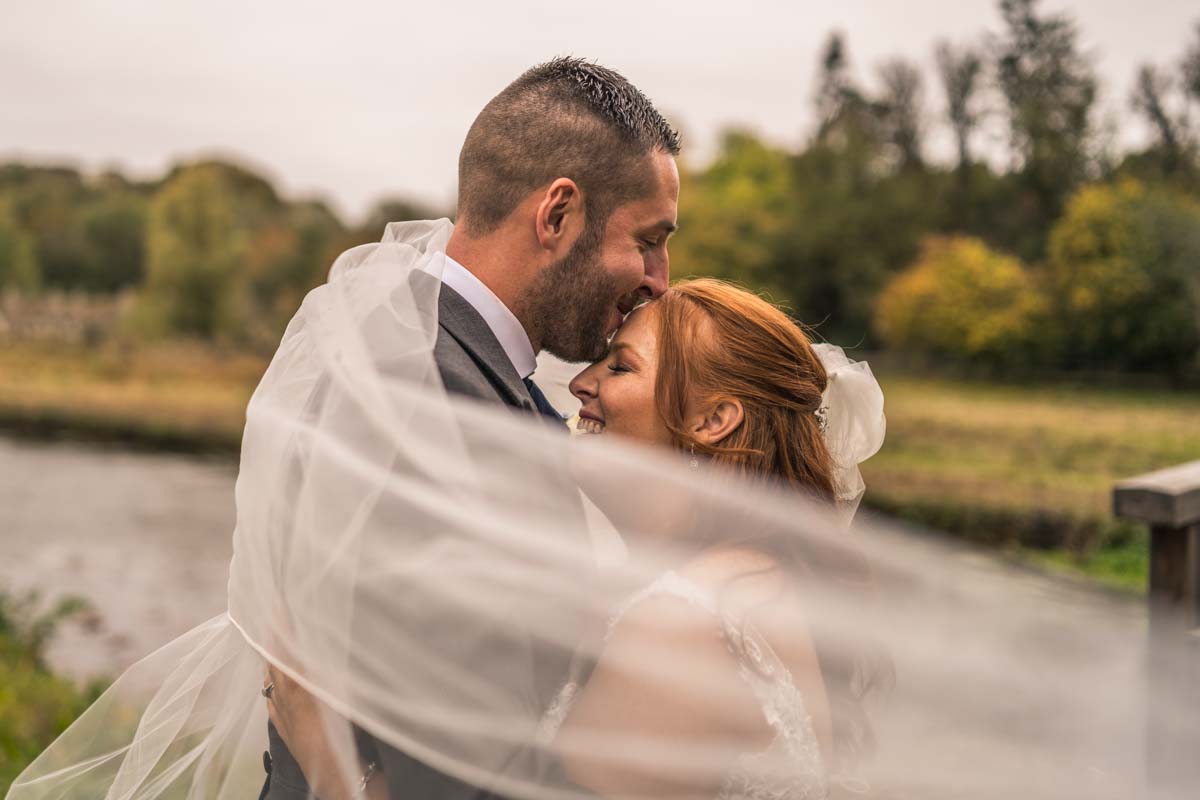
(457, 318)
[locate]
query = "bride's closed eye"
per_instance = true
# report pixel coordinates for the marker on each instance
(617, 367)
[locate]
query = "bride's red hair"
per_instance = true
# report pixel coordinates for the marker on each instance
(718, 341)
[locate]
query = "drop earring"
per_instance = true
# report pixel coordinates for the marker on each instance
(694, 463)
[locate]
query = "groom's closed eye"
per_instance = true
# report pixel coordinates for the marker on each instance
(657, 234)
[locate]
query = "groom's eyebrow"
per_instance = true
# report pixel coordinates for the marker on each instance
(664, 225)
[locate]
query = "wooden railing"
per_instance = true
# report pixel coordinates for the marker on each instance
(1169, 502)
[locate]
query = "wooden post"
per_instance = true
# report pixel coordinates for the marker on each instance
(1169, 502)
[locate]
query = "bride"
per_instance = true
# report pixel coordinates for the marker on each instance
(725, 376)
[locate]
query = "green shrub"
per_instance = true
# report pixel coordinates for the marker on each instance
(963, 301)
(35, 704)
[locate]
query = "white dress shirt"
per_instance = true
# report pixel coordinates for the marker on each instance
(503, 323)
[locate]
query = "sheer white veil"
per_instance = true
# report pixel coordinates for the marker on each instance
(430, 568)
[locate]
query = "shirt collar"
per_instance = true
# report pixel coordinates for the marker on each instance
(502, 322)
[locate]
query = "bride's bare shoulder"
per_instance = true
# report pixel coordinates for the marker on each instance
(738, 573)
(753, 586)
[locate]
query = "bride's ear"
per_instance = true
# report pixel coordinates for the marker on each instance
(718, 422)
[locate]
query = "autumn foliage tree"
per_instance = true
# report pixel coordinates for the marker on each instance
(962, 301)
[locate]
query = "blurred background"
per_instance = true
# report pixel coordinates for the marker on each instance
(994, 202)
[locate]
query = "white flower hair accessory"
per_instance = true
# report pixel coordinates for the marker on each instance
(852, 420)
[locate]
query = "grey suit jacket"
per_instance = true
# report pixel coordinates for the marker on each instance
(470, 358)
(471, 362)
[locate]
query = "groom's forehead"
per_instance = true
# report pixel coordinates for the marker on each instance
(663, 188)
(654, 213)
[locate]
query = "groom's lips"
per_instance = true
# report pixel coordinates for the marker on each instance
(615, 323)
(623, 307)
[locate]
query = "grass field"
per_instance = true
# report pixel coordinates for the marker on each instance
(1028, 468)
(1057, 447)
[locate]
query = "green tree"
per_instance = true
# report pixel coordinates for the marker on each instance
(859, 207)
(219, 248)
(113, 231)
(256, 198)
(18, 267)
(195, 241)
(960, 70)
(851, 229)
(392, 209)
(845, 116)
(45, 203)
(1122, 272)
(1190, 66)
(1050, 89)
(902, 117)
(733, 214)
(1150, 99)
(286, 258)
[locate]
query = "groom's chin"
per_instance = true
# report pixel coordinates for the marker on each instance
(593, 352)
(581, 351)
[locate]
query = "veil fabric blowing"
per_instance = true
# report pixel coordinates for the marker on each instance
(432, 569)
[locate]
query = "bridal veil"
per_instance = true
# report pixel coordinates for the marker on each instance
(386, 531)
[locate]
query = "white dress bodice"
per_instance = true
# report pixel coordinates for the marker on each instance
(756, 775)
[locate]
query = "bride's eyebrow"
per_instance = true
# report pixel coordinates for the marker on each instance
(617, 347)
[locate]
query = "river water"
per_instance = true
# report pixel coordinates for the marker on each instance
(144, 538)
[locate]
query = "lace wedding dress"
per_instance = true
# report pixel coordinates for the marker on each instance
(756, 775)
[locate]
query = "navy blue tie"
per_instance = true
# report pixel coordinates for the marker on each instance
(543, 405)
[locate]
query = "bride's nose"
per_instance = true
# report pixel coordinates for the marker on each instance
(584, 385)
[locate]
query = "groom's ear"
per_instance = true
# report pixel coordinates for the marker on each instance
(718, 422)
(560, 216)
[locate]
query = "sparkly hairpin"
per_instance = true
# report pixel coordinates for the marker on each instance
(822, 415)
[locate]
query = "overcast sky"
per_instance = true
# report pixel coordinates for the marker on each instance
(352, 100)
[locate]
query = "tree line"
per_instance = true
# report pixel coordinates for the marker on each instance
(211, 249)
(1050, 247)
(1071, 255)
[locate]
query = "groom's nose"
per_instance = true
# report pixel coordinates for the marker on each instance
(657, 275)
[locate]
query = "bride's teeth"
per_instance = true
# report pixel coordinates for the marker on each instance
(589, 426)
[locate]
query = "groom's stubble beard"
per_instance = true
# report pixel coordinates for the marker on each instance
(568, 307)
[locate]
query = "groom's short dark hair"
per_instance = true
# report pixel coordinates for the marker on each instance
(567, 118)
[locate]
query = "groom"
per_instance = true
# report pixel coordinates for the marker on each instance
(567, 193)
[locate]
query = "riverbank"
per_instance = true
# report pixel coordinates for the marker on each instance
(169, 397)
(1028, 469)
